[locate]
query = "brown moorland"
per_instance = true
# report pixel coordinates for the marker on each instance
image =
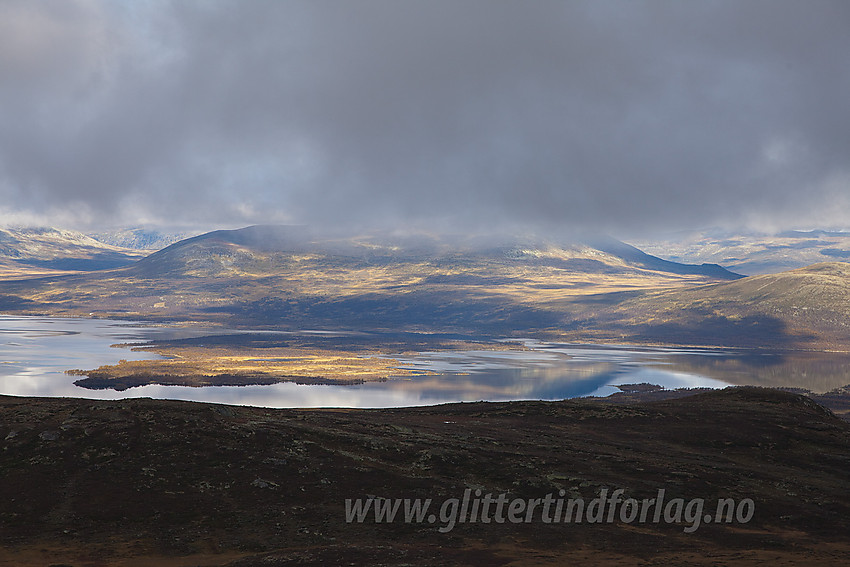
(152, 482)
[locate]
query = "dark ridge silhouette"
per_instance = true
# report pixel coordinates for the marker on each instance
(640, 258)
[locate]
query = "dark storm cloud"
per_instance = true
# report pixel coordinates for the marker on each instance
(464, 114)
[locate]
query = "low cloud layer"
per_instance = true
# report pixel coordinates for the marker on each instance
(459, 115)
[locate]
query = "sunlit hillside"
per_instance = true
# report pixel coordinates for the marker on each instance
(280, 276)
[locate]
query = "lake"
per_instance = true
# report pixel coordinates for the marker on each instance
(35, 352)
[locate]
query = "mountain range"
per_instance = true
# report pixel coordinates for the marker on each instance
(25, 252)
(141, 238)
(594, 288)
(753, 253)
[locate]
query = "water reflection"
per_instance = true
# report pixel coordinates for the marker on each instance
(549, 372)
(35, 352)
(816, 371)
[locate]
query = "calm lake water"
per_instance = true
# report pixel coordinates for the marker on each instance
(36, 351)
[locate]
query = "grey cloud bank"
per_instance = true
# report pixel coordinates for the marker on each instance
(462, 115)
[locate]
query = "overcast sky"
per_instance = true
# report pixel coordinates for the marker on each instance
(461, 115)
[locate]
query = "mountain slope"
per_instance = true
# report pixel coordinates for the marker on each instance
(284, 276)
(158, 482)
(140, 238)
(641, 258)
(31, 251)
(754, 253)
(809, 305)
(259, 248)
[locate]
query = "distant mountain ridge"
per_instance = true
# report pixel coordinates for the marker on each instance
(753, 253)
(140, 238)
(639, 257)
(597, 290)
(46, 249)
(289, 277)
(242, 246)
